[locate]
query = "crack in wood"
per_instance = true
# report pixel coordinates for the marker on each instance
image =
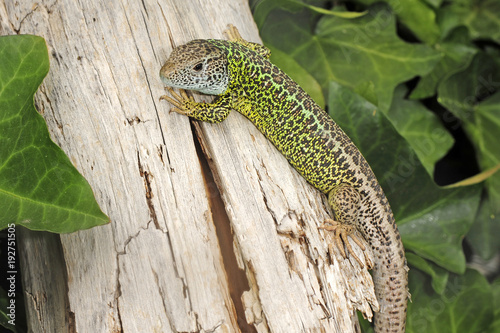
(149, 193)
(236, 277)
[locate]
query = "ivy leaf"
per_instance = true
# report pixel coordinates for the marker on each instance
(479, 16)
(39, 187)
(417, 16)
(495, 325)
(262, 8)
(483, 130)
(466, 305)
(483, 236)
(461, 91)
(421, 128)
(457, 55)
(363, 53)
(439, 275)
(473, 95)
(432, 221)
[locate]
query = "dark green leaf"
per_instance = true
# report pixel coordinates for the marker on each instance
(364, 53)
(483, 236)
(421, 128)
(465, 305)
(417, 16)
(39, 187)
(481, 17)
(262, 8)
(461, 91)
(432, 220)
(483, 129)
(439, 276)
(495, 326)
(456, 56)
(470, 94)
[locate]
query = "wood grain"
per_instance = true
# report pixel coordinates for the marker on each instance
(159, 267)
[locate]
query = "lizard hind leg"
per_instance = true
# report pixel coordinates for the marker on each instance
(233, 35)
(345, 202)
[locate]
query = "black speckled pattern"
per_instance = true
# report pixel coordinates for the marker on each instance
(311, 141)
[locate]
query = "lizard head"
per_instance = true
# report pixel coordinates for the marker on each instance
(197, 65)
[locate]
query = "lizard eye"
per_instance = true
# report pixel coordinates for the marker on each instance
(198, 67)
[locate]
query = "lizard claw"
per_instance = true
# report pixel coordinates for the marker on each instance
(180, 102)
(232, 33)
(341, 232)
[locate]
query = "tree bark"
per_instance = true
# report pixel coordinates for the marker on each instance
(231, 245)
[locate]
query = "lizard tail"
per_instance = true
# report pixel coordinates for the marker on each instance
(390, 276)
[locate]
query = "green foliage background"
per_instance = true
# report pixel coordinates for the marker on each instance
(415, 84)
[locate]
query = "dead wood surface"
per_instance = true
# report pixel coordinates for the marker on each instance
(182, 252)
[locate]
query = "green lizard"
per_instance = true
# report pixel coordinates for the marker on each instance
(240, 73)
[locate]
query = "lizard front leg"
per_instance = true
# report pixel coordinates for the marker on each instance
(214, 112)
(345, 202)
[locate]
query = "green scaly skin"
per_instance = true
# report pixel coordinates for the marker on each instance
(246, 81)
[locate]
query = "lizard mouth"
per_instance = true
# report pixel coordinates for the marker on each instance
(164, 74)
(166, 81)
(168, 74)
